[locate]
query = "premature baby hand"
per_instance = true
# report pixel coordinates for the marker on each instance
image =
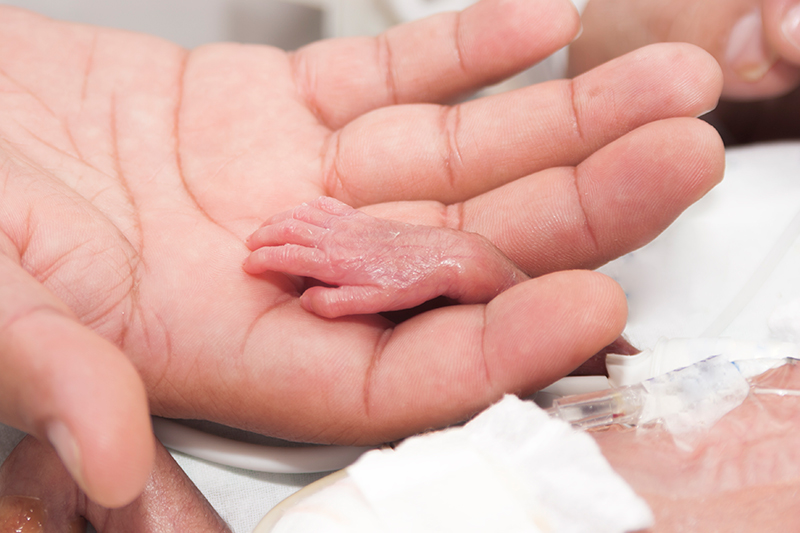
(370, 265)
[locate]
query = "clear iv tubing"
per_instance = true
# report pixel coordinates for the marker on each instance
(621, 406)
(274, 459)
(625, 405)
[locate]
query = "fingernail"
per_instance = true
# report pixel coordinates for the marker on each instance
(67, 449)
(747, 53)
(790, 26)
(21, 514)
(707, 111)
(578, 35)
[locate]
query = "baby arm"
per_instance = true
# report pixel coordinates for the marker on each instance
(371, 265)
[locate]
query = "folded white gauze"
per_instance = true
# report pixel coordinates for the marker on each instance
(511, 469)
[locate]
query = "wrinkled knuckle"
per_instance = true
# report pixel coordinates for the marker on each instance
(576, 115)
(453, 162)
(458, 43)
(288, 228)
(386, 64)
(301, 212)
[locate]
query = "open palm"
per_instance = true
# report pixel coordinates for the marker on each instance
(131, 172)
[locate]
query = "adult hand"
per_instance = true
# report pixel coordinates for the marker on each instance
(756, 42)
(132, 171)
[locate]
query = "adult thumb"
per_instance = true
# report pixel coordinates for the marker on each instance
(66, 385)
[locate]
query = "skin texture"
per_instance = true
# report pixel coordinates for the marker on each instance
(53, 503)
(756, 42)
(746, 37)
(376, 265)
(132, 170)
(744, 475)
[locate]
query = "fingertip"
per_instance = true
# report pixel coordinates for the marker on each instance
(319, 301)
(655, 173)
(702, 76)
(711, 152)
(691, 162)
(521, 31)
(762, 52)
(256, 239)
(603, 297)
(114, 440)
(703, 153)
(87, 400)
(654, 82)
(542, 329)
(112, 478)
(694, 74)
(781, 20)
(615, 301)
(256, 262)
(249, 265)
(307, 302)
(779, 30)
(64, 384)
(710, 77)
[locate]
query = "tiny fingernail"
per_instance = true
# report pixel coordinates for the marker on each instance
(747, 53)
(790, 26)
(60, 437)
(21, 514)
